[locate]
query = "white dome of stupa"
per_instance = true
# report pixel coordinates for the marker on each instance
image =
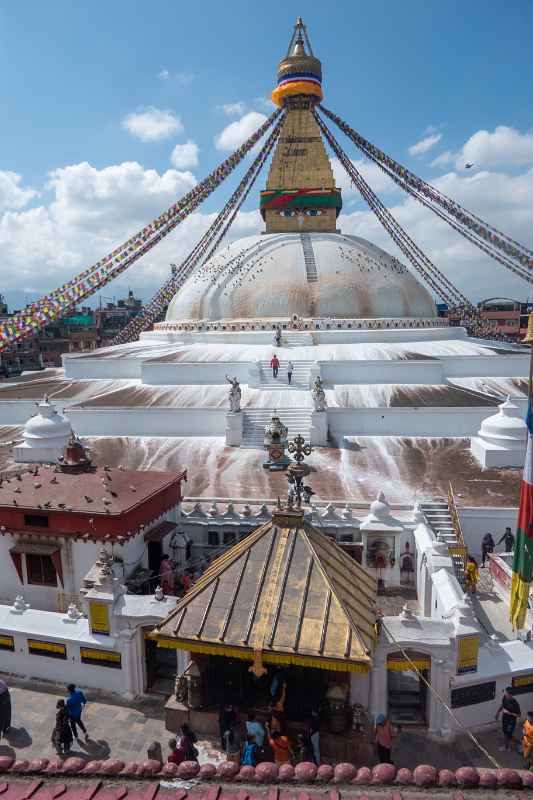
(45, 435)
(326, 275)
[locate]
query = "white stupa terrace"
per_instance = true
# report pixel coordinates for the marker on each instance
(402, 406)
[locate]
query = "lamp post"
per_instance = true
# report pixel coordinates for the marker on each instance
(296, 472)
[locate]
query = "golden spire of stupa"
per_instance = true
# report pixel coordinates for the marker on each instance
(300, 195)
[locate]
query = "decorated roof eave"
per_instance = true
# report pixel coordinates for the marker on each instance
(269, 656)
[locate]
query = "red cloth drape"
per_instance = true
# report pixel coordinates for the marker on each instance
(17, 561)
(56, 561)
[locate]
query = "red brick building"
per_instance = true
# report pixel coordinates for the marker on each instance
(54, 520)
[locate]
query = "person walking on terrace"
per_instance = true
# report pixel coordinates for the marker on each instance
(487, 546)
(76, 702)
(62, 733)
(510, 711)
(290, 370)
(275, 365)
(508, 540)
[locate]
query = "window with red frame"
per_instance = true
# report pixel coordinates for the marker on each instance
(41, 570)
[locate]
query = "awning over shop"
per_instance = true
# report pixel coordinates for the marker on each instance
(285, 594)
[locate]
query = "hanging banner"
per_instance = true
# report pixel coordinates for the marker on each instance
(467, 655)
(99, 618)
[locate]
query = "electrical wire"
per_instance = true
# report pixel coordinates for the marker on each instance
(443, 702)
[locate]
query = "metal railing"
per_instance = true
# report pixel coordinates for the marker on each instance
(458, 550)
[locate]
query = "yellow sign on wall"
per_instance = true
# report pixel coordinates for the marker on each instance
(99, 617)
(468, 653)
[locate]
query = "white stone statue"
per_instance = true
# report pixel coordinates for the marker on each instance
(319, 396)
(234, 394)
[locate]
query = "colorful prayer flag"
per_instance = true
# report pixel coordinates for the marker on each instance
(523, 551)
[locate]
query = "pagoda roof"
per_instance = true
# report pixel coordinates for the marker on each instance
(285, 593)
(102, 490)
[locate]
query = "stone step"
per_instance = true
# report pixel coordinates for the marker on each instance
(297, 420)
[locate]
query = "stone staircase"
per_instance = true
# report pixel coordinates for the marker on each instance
(439, 518)
(309, 258)
(297, 420)
(300, 376)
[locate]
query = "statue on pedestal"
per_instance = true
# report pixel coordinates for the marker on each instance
(234, 394)
(319, 396)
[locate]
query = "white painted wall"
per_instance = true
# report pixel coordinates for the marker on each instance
(18, 412)
(435, 422)
(152, 422)
(476, 522)
(498, 663)
(509, 366)
(193, 373)
(23, 664)
(381, 371)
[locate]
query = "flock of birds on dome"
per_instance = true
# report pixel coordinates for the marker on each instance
(368, 263)
(225, 274)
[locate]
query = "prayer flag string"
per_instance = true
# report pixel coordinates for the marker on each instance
(57, 303)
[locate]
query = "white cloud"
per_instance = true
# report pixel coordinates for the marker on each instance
(12, 194)
(503, 147)
(233, 109)
(447, 157)
(152, 124)
(372, 174)
(183, 77)
(237, 132)
(89, 213)
(185, 155)
(424, 144)
(265, 103)
(504, 200)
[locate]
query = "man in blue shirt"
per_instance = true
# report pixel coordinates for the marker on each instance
(75, 703)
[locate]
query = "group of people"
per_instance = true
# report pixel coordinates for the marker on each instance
(488, 545)
(185, 749)
(68, 720)
(275, 364)
(173, 583)
(269, 740)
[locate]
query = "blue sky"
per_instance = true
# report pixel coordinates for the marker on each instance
(72, 74)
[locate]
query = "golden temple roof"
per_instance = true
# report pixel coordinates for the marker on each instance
(286, 592)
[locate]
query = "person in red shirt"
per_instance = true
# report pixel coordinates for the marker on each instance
(275, 365)
(177, 754)
(383, 734)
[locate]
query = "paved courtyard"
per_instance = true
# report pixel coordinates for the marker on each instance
(125, 731)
